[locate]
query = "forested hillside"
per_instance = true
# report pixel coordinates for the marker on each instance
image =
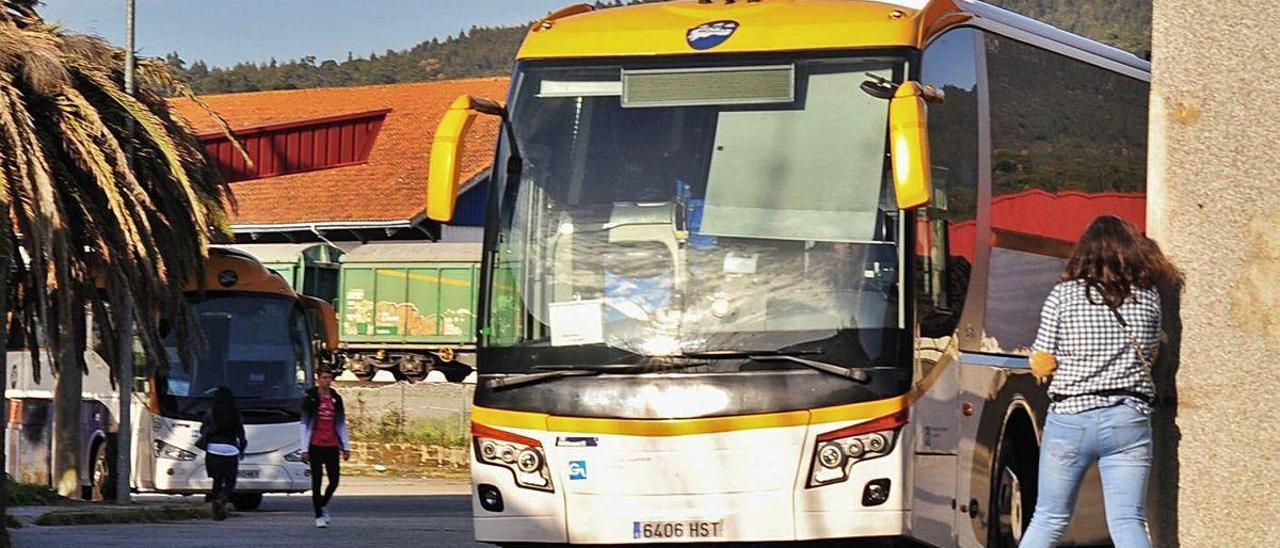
(1125, 24)
(489, 51)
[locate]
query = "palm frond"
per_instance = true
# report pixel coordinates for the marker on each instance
(108, 196)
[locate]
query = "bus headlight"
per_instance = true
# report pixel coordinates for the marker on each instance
(523, 456)
(837, 451)
(830, 455)
(529, 461)
(172, 452)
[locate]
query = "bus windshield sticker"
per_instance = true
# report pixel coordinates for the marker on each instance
(735, 263)
(567, 88)
(576, 442)
(577, 322)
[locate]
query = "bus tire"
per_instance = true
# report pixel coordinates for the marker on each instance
(101, 484)
(246, 502)
(1013, 486)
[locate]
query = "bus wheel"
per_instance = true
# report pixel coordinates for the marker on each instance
(246, 502)
(1013, 492)
(100, 475)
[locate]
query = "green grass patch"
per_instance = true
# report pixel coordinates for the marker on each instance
(125, 515)
(26, 494)
(392, 427)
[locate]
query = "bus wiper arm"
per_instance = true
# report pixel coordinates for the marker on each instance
(656, 364)
(533, 378)
(857, 375)
(551, 372)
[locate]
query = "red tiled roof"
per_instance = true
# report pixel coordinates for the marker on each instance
(391, 186)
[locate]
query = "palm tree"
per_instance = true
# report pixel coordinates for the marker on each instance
(106, 197)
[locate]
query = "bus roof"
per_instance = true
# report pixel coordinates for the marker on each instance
(672, 28)
(234, 270)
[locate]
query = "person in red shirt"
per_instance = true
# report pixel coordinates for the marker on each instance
(324, 434)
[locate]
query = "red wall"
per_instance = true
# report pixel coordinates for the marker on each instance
(308, 145)
(1061, 216)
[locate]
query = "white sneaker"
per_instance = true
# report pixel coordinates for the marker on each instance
(321, 523)
(324, 514)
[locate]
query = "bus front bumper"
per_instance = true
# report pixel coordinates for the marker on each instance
(614, 521)
(183, 477)
(747, 486)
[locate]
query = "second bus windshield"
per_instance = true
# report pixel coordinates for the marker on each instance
(669, 228)
(257, 345)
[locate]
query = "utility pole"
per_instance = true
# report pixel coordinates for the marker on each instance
(124, 324)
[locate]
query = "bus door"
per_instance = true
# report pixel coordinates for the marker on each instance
(936, 430)
(936, 415)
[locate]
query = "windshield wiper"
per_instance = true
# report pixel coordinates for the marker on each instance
(854, 374)
(531, 378)
(552, 372)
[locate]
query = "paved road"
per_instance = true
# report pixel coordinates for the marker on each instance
(366, 513)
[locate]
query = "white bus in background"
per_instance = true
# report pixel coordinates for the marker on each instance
(262, 340)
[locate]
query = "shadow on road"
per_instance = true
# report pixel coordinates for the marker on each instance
(362, 520)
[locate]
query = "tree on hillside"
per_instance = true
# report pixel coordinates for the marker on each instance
(106, 198)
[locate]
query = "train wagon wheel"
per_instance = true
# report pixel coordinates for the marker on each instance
(415, 368)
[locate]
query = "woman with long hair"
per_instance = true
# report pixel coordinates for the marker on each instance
(1100, 327)
(222, 438)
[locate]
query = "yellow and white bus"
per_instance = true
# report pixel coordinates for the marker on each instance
(738, 288)
(259, 338)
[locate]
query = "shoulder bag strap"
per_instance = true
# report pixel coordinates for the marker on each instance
(1133, 341)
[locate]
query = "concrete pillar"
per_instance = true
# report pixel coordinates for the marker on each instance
(1214, 205)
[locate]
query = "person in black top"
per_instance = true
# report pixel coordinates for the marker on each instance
(222, 439)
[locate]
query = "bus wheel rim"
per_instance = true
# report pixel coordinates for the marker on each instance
(1011, 500)
(99, 476)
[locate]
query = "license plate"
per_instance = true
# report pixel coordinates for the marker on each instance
(678, 529)
(247, 474)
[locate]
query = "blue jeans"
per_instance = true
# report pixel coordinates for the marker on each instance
(1118, 438)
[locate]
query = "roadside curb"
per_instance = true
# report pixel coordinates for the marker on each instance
(55, 516)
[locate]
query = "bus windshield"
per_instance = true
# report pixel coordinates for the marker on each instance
(665, 210)
(255, 344)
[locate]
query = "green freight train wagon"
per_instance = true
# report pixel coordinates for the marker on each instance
(409, 307)
(311, 268)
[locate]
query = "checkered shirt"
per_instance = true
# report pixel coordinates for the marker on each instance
(1092, 349)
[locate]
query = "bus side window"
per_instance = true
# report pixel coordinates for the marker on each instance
(1068, 143)
(946, 231)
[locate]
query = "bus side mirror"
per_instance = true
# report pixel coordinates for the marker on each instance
(327, 320)
(446, 153)
(909, 144)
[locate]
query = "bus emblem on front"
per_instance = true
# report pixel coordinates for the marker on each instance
(228, 278)
(710, 35)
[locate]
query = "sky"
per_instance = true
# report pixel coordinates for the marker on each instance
(224, 32)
